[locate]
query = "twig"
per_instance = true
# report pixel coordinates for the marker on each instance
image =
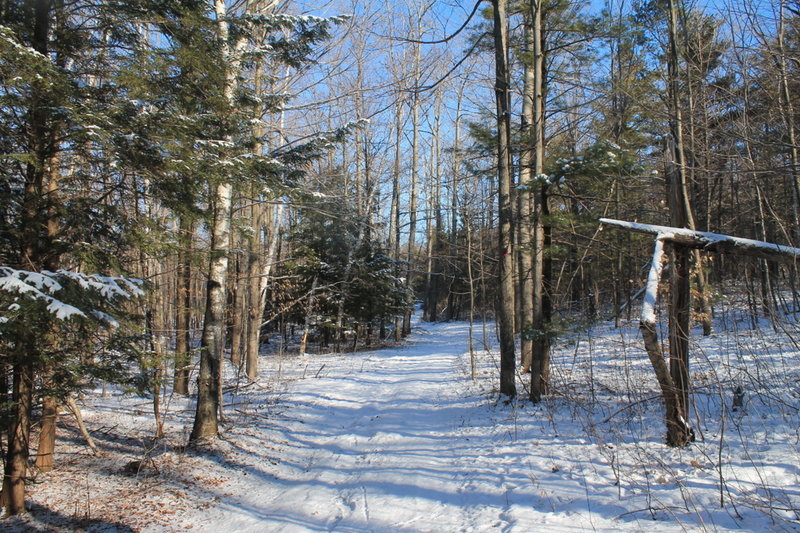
(623, 408)
(250, 413)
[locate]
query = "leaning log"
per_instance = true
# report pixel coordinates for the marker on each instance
(675, 394)
(679, 433)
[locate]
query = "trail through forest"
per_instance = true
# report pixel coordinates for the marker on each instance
(388, 441)
(197, 199)
(402, 439)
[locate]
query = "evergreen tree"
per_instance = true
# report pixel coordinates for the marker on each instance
(352, 279)
(54, 114)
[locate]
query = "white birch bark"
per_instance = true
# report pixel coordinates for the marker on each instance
(257, 307)
(212, 344)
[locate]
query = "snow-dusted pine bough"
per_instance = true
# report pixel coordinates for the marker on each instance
(58, 331)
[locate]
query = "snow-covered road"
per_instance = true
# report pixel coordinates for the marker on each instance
(401, 439)
(382, 441)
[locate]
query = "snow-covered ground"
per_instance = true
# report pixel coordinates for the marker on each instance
(402, 439)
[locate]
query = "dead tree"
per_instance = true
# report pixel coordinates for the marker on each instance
(676, 392)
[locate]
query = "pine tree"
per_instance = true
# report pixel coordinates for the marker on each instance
(54, 106)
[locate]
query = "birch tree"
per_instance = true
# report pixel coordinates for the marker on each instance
(292, 43)
(212, 342)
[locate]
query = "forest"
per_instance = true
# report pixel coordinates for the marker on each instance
(192, 190)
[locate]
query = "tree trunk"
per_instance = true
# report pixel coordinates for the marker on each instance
(212, 343)
(680, 217)
(433, 294)
(76, 411)
(674, 381)
(155, 319)
(543, 306)
(16, 464)
(454, 304)
(679, 433)
(473, 366)
(38, 234)
(262, 242)
(679, 316)
(47, 434)
(238, 306)
(505, 237)
(679, 205)
(309, 314)
(788, 116)
(394, 221)
(527, 160)
(618, 264)
(5, 399)
(183, 309)
(254, 312)
(259, 284)
(412, 202)
(692, 167)
(540, 348)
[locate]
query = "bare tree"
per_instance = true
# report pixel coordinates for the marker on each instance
(505, 305)
(540, 363)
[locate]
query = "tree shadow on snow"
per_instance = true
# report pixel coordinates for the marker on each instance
(41, 519)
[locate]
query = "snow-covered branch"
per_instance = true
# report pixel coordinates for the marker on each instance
(49, 288)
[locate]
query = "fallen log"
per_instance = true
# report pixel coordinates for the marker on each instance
(711, 242)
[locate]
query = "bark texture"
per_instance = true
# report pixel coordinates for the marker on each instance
(505, 206)
(212, 343)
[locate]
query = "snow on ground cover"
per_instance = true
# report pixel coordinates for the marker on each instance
(401, 439)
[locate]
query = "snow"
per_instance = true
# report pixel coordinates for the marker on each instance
(7, 35)
(32, 284)
(42, 285)
(106, 318)
(63, 311)
(23, 281)
(401, 439)
(214, 143)
(108, 287)
(648, 315)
